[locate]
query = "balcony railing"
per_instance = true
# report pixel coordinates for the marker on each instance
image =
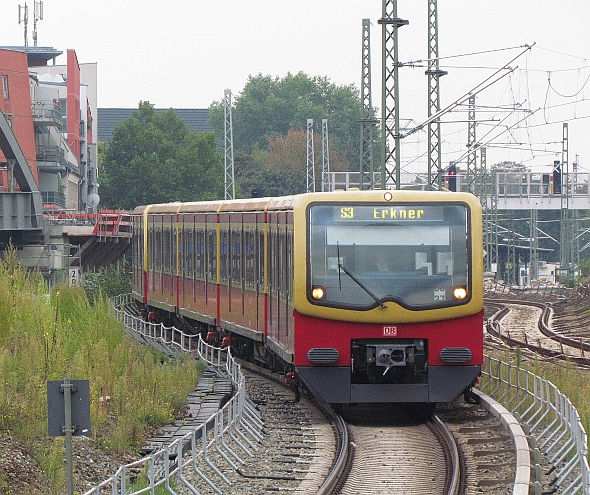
(50, 157)
(48, 113)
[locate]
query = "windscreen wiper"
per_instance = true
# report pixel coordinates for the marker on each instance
(360, 284)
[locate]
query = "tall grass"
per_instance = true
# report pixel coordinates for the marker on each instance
(48, 335)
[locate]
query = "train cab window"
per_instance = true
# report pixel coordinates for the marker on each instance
(362, 255)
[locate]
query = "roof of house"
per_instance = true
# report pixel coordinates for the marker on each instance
(36, 55)
(196, 119)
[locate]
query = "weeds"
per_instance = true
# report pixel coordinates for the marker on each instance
(48, 335)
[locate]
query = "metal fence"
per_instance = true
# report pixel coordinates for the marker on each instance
(236, 425)
(548, 417)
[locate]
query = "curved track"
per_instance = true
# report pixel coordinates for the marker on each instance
(392, 454)
(532, 325)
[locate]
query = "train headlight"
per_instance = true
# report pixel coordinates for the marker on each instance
(460, 292)
(318, 292)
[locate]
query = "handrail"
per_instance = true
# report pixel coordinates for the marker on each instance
(551, 421)
(175, 460)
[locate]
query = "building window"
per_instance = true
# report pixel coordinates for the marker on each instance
(5, 86)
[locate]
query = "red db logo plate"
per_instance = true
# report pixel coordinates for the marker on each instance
(390, 331)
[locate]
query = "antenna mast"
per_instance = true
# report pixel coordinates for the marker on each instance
(23, 17)
(37, 16)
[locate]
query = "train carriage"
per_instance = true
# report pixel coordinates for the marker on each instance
(369, 296)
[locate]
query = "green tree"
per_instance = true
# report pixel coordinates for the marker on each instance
(108, 281)
(154, 158)
(269, 107)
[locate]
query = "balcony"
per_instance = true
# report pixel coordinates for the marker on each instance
(50, 158)
(48, 113)
(54, 198)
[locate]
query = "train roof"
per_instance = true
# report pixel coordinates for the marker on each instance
(290, 202)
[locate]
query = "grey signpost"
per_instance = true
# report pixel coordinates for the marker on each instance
(68, 413)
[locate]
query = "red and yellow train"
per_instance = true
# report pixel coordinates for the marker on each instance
(368, 296)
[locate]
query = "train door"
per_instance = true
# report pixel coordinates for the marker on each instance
(168, 285)
(188, 264)
(224, 266)
(157, 258)
(212, 265)
(138, 254)
(236, 284)
(200, 267)
(289, 269)
(261, 271)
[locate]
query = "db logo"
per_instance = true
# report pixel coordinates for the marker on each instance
(390, 331)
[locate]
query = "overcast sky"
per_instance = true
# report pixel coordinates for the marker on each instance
(185, 53)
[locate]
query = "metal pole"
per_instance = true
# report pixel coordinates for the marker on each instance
(67, 388)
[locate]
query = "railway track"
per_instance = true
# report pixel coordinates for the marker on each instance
(306, 449)
(381, 449)
(399, 455)
(554, 329)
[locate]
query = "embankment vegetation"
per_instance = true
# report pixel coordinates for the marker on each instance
(52, 334)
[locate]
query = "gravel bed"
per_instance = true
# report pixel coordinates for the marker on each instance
(295, 453)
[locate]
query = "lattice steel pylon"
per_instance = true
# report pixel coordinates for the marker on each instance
(325, 157)
(390, 139)
(310, 158)
(471, 149)
(533, 245)
(434, 74)
(229, 184)
(512, 261)
(566, 234)
(367, 119)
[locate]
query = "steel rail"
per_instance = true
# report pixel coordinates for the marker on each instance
(340, 464)
(447, 437)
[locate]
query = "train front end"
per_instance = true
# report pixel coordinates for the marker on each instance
(388, 295)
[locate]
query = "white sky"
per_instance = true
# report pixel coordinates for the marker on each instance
(185, 53)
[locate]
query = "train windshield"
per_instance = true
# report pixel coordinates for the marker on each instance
(363, 255)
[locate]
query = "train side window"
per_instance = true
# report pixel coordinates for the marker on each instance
(178, 244)
(272, 259)
(212, 253)
(188, 251)
(223, 241)
(166, 250)
(200, 254)
(260, 259)
(250, 250)
(158, 250)
(236, 257)
(282, 252)
(151, 246)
